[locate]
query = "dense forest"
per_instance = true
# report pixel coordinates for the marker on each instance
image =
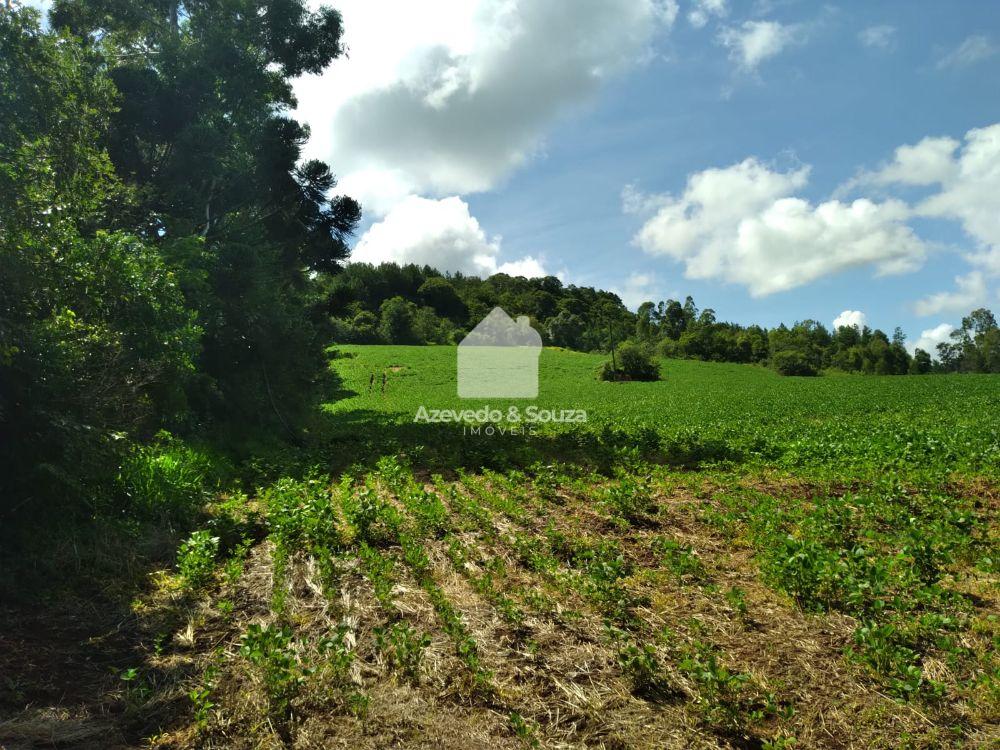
(392, 304)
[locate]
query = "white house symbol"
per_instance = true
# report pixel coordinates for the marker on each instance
(499, 358)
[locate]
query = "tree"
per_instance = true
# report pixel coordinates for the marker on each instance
(95, 340)
(673, 319)
(437, 293)
(396, 321)
(644, 323)
(566, 329)
(921, 364)
(634, 363)
(202, 139)
(793, 362)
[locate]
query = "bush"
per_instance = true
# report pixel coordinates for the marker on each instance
(791, 362)
(167, 478)
(634, 363)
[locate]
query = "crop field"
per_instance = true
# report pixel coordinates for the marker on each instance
(704, 410)
(722, 559)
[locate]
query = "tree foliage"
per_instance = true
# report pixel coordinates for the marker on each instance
(162, 243)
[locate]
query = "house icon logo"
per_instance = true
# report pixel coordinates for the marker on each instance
(499, 358)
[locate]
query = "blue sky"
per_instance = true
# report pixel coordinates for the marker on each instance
(832, 102)
(745, 153)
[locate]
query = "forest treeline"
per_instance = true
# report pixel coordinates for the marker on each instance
(162, 242)
(410, 304)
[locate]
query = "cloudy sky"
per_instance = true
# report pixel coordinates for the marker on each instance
(776, 159)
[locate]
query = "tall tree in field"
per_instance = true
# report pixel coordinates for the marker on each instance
(203, 139)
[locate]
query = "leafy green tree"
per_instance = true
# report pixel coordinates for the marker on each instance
(396, 321)
(566, 330)
(634, 362)
(921, 364)
(440, 295)
(95, 340)
(202, 138)
(793, 362)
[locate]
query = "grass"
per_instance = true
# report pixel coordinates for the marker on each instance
(725, 558)
(704, 411)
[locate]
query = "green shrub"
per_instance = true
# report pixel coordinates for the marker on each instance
(790, 362)
(634, 362)
(196, 558)
(303, 514)
(166, 479)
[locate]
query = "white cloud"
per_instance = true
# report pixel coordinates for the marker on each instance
(743, 224)
(637, 203)
(702, 10)
(42, 6)
(755, 41)
(667, 11)
(930, 338)
(854, 318)
(929, 161)
(638, 288)
(965, 177)
(528, 266)
(970, 189)
(970, 292)
(972, 50)
(882, 36)
(454, 94)
(440, 233)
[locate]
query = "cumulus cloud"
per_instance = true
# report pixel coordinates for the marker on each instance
(744, 224)
(638, 288)
(702, 10)
(440, 233)
(453, 95)
(970, 291)
(925, 163)
(930, 338)
(755, 41)
(969, 189)
(849, 318)
(882, 36)
(972, 50)
(964, 177)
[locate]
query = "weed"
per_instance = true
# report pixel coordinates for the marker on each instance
(630, 500)
(272, 651)
(679, 559)
(196, 558)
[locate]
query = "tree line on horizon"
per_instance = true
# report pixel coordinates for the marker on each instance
(410, 304)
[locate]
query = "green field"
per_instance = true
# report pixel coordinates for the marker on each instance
(723, 558)
(709, 410)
